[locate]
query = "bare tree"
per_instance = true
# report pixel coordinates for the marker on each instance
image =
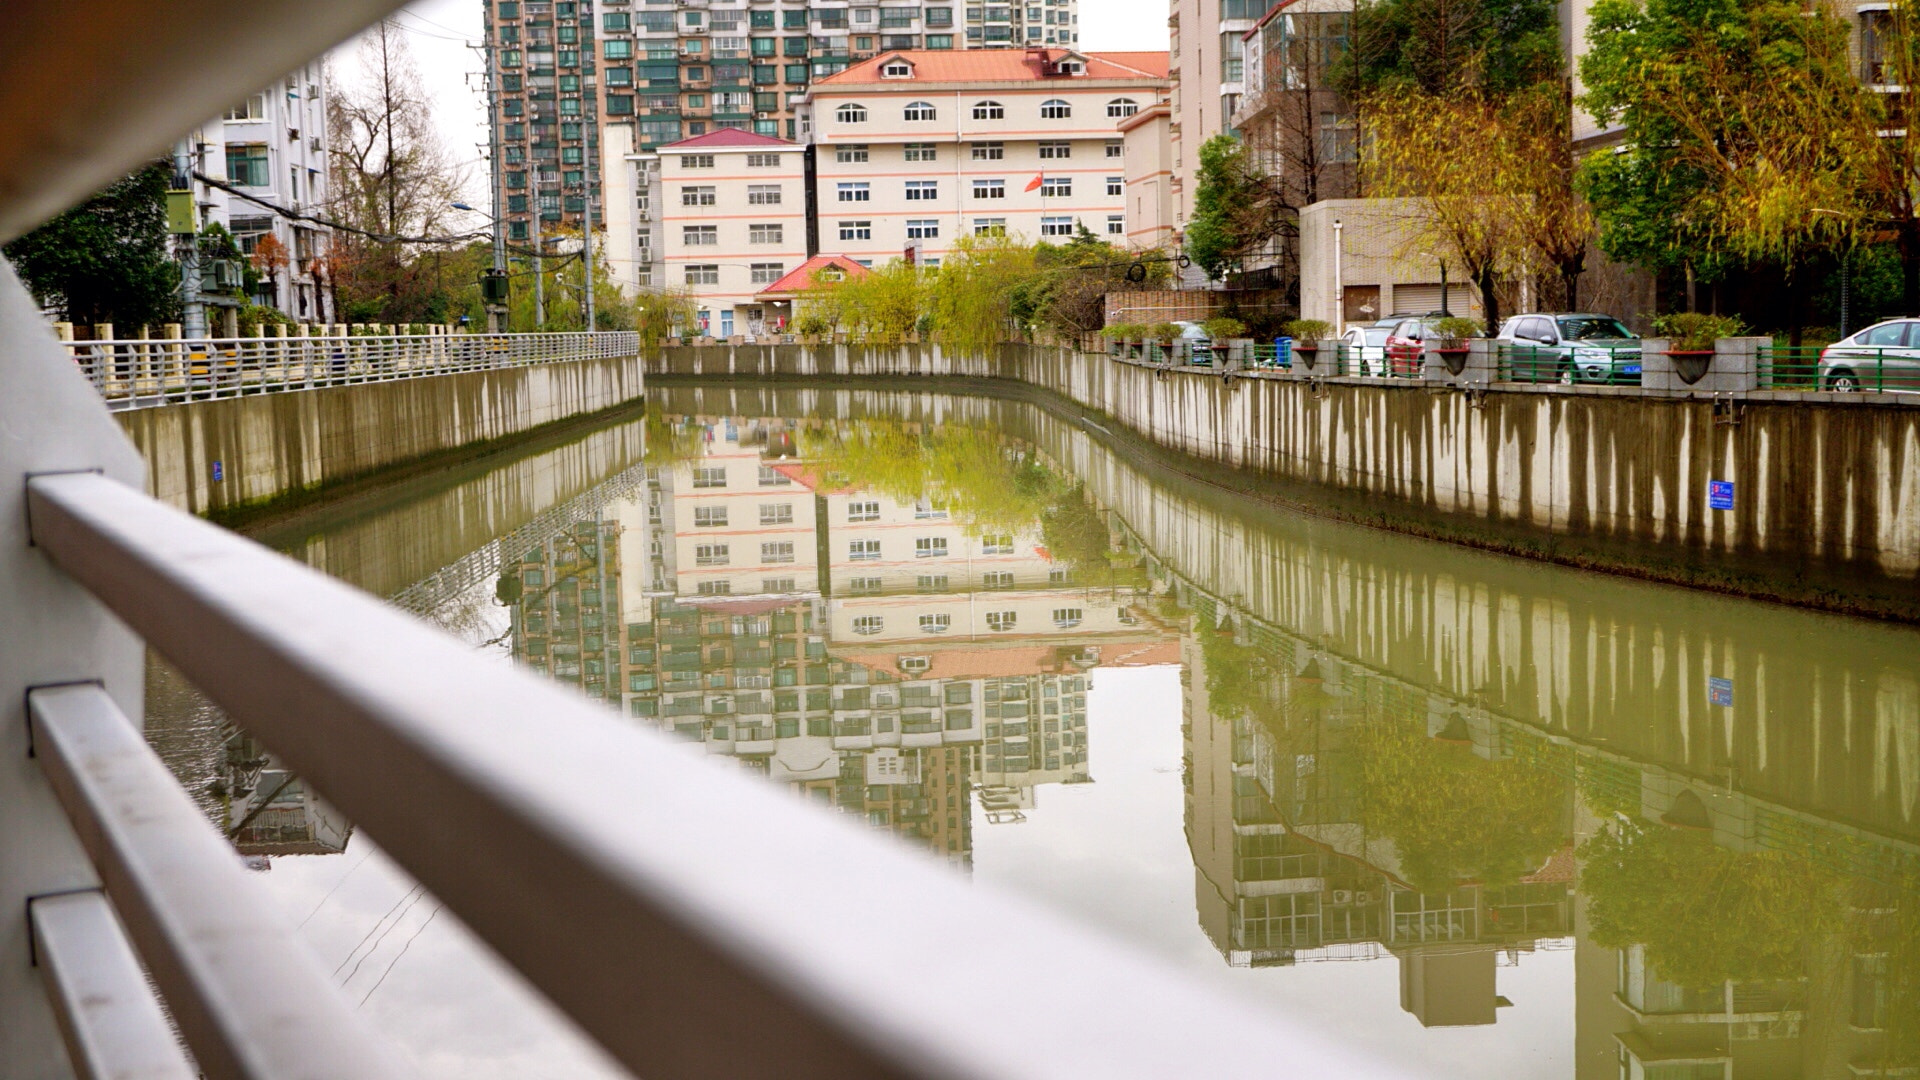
(390, 177)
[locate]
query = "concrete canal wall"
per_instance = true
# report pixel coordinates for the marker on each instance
(1825, 497)
(217, 456)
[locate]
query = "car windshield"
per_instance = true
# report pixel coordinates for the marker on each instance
(1591, 328)
(1377, 335)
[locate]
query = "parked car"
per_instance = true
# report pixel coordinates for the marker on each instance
(1367, 347)
(1406, 344)
(1193, 343)
(1884, 356)
(1570, 347)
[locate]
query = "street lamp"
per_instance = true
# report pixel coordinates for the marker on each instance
(1339, 290)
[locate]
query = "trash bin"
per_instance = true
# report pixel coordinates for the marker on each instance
(1283, 352)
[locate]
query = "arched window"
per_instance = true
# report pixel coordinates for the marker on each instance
(989, 110)
(851, 114)
(1120, 108)
(1055, 109)
(920, 110)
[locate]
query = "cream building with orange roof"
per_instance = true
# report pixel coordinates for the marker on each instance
(914, 150)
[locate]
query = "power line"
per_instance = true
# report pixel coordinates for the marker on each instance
(297, 215)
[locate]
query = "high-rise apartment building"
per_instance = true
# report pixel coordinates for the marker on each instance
(566, 71)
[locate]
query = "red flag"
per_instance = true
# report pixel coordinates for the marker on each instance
(1035, 183)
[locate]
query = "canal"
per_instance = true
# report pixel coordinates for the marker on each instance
(1485, 816)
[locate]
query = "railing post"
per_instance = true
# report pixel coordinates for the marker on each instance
(51, 632)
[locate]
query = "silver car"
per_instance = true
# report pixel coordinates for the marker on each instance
(1884, 356)
(1367, 347)
(1570, 347)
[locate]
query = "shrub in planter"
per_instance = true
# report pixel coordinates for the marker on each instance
(1307, 330)
(1454, 331)
(1120, 334)
(1164, 333)
(1223, 327)
(1690, 336)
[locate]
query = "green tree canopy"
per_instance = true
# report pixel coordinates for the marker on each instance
(106, 260)
(1439, 46)
(1236, 206)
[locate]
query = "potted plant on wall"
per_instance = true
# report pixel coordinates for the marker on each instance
(1118, 334)
(1450, 341)
(1221, 330)
(810, 327)
(1690, 336)
(1163, 335)
(1307, 335)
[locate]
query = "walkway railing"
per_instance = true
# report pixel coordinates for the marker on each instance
(147, 373)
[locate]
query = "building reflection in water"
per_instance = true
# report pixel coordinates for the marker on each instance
(1337, 812)
(872, 645)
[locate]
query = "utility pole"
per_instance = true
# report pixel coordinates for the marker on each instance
(193, 313)
(587, 228)
(539, 271)
(496, 312)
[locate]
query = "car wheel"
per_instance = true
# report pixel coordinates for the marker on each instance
(1846, 382)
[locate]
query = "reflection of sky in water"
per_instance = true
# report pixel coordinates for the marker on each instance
(1438, 632)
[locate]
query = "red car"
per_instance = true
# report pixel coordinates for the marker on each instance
(1407, 345)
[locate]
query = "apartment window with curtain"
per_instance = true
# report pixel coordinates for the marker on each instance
(247, 164)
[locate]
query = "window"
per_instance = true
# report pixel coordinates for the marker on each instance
(1113, 148)
(1055, 109)
(923, 190)
(710, 555)
(765, 234)
(863, 511)
(696, 161)
(863, 551)
(989, 110)
(1053, 187)
(1066, 618)
(988, 151)
(1116, 224)
(697, 195)
(939, 41)
(935, 624)
(714, 588)
(1115, 185)
(898, 69)
(1001, 621)
(939, 16)
(920, 151)
(709, 517)
(1120, 108)
(856, 191)
(776, 585)
(920, 110)
(931, 583)
(618, 104)
(1056, 226)
(850, 154)
(247, 164)
(700, 235)
(763, 194)
(990, 544)
(776, 513)
(710, 477)
(703, 273)
(934, 547)
(989, 189)
(617, 49)
(868, 624)
(766, 273)
(864, 584)
(989, 226)
(777, 551)
(254, 108)
(772, 477)
(1054, 150)
(763, 161)
(923, 229)
(856, 230)
(997, 579)
(851, 114)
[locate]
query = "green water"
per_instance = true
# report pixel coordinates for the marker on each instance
(1490, 817)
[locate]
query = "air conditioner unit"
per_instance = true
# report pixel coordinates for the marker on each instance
(644, 215)
(1342, 897)
(1365, 897)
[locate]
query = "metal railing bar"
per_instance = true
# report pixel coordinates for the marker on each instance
(251, 1001)
(113, 1027)
(695, 921)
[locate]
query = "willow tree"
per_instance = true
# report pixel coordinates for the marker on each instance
(880, 307)
(972, 299)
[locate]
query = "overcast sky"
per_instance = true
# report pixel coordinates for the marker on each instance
(439, 32)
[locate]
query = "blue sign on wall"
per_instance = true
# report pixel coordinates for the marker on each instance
(1720, 494)
(218, 472)
(1720, 692)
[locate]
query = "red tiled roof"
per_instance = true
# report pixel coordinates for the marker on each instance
(724, 137)
(998, 65)
(800, 278)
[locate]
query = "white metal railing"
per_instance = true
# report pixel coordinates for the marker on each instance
(147, 373)
(696, 921)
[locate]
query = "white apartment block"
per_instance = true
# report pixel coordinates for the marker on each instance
(913, 150)
(1208, 53)
(739, 526)
(273, 146)
(734, 216)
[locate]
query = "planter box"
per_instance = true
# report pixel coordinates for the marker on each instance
(1472, 364)
(1732, 367)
